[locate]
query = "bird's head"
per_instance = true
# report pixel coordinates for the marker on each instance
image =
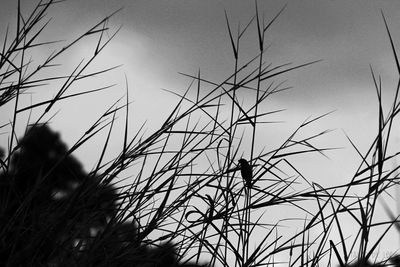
(243, 161)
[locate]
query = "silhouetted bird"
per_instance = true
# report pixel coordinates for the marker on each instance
(247, 173)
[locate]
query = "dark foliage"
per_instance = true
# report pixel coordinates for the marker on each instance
(393, 261)
(53, 213)
(363, 263)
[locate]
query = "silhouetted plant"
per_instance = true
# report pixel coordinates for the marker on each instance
(54, 213)
(45, 191)
(185, 198)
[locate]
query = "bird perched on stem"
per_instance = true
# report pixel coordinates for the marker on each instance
(246, 171)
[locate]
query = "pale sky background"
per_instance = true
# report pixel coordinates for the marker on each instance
(161, 38)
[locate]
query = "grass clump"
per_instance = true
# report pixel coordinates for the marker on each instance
(197, 190)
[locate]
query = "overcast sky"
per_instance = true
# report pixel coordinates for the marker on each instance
(161, 38)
